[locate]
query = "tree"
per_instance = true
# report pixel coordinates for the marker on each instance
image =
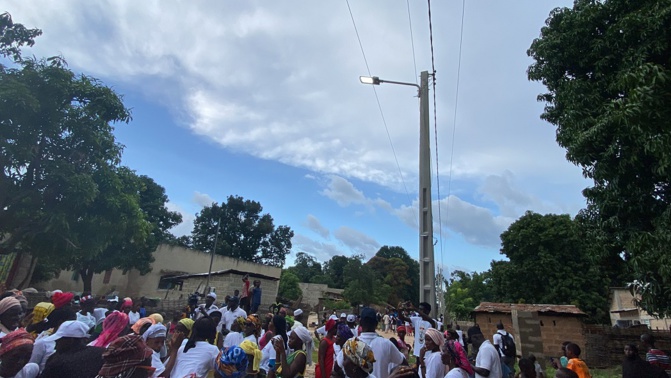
(306, 268)
(411, 291)
(465, 291)
(394, 274)
(364, 285)
(289, 287)
(13, 36)
(607, 70)
(244, 232)
(548, 264)
(334, 270)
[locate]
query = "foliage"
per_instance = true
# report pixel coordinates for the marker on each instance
(465, 291)
(411, 291)
(607, 69)
(13, 36)
(244, 233)
(306, 268)
(335, 305)
(364, 285)
(548, 264)
(289, 288)
(334, 270)
(394, 274)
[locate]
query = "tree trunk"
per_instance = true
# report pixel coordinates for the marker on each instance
(87, 278)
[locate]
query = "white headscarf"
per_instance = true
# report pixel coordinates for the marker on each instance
(305, 336)
(156, 330)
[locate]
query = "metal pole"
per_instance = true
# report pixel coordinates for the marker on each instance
(427, 290)
(214, 251)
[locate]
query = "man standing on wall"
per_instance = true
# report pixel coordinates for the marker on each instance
(244, 294)
(256, 296)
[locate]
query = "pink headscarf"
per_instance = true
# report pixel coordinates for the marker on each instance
(435, 336)
(113, 325)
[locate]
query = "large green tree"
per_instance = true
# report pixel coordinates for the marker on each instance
(289, 288)
(364, 285)
(548, 263)
(244, 232)
(306, 268)
(411, 291)
(607, 69)
(464, 291)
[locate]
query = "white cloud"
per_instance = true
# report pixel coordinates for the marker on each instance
(357, 241)
(186, 226)
(322, 251)
(315, 225)
(202, 199)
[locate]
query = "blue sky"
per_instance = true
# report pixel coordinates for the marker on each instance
(262, 100)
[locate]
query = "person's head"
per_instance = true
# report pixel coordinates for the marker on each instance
(451, 334)
(10, 313)
(565, 373)
(233, 302)
(87, 303)
(127, 305)
(215, 316)
(236, 293)
(572, 350)
(351, 319)
(203, 329)
(210, 299)
(257, 283)
(424, 307)
(155, 336)
(343, 318)
(499, 325)
(368, 320)
(70, 335)
(477, 338)
(127, 356)
(184, 326)
(298, 314)
(232, 363)
(400, 331)
(527, 367)
(62, 299)
(177, 315)
(433, 340)
(454, 355)
(15, 352)
(280, 326)
(647, 340)
(283, 312)
(358, 358)
(142, 325)
(631, 351)
(245, 278)
(331, 328)
(563, 347)
(343, 333)
(113, 303)
(252, 325)
(457, 327)
(302, 339)
(59, 316)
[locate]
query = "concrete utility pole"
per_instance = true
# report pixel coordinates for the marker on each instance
(427, 276)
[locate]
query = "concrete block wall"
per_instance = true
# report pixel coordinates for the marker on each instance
(557, 329)
(529, 336)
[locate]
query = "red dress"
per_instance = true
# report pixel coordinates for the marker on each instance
(328, 360)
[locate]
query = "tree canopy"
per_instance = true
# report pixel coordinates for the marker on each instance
(606, 66)
(244, 232)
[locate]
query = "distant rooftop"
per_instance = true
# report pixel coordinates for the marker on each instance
(507, 308)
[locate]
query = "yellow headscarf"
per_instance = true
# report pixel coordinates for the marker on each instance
(158, 318)
(250, 347)
(41, 311)
(188, 323)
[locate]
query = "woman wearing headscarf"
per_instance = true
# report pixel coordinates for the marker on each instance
(254, 356)
(252, 329)
(293, 365)
(269, 331)
(40, 313)
(197, 356)
(128, 356)
(142, 325)
(158, 318)
(343, 334)
(269, 359)
(326, 351)
(400, 343)
(154, 337)
(634, 366)
(231, 363)
(429, 356)
(358, 359)
(10, 315)
(113, 326)
(15, 351)
(62, 299)
(454, 356)
(44, 346)
(184, 326)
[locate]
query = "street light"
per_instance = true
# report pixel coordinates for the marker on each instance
(427, 290)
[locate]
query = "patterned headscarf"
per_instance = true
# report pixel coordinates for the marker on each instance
(41, 311)
(435, 336)
(458, 354)
(137, 327)
(306, 338)
(344, 332)
(123, 354)
(7, 303)
(113, 325)
(251, 348)
(253, 318)
(360, 353)
(232, 363)
(14, 340)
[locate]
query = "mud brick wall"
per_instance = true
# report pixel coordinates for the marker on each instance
(557, 329)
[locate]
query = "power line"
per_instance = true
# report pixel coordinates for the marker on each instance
(379, 106)
(412, 41)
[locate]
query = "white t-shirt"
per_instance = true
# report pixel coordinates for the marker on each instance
(355, 331)
(199, 360)
(233, 339)
(420, 326)
(498, 340)
(87, 319)
(488, 358)
(229, 317)
(434, 365)
(156, 363)
(461, 336)
(269, 355)
(31, 370)
(252, 338)
(385, 318)
(457, 372)
(387, 356)
(42, 350)
(133, 317)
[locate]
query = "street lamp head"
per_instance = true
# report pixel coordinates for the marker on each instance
(369, 80)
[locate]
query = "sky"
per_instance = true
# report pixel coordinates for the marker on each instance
(262, 99)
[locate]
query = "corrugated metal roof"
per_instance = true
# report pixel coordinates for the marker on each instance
(542, 308)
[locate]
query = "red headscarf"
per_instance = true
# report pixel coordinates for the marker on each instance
(61, 299)
(113, 325)
(14, 340)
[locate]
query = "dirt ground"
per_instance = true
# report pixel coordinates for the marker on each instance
(312, 318)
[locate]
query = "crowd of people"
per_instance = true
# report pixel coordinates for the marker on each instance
(83, 336)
